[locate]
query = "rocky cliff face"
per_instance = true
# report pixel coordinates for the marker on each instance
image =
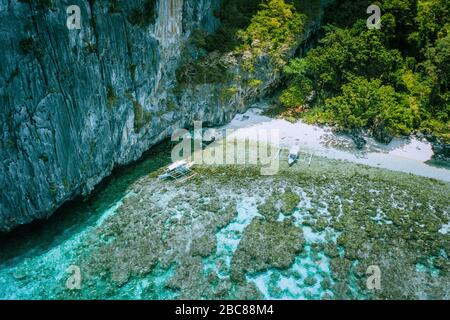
(77, 103)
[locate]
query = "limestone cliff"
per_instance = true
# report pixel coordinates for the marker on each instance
(77, 103)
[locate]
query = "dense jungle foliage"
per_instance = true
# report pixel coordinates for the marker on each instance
(390, 81)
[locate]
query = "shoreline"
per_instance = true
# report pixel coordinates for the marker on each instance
(409, 155)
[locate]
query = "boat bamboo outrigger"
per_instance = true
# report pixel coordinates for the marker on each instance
(308, 158)
(179, 171)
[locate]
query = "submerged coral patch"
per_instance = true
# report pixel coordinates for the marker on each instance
(266, 244)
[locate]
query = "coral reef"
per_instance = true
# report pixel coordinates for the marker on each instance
(309, 232)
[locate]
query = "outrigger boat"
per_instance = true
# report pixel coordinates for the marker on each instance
(296, 156)
(293, 155)
(179, 171)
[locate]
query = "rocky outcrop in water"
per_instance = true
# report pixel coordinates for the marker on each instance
(77, 103)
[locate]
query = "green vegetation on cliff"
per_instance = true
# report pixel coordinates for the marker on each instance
(250, 30)
(390, 81)
(273, 30)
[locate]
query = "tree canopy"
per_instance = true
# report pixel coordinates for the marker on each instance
(390, 81)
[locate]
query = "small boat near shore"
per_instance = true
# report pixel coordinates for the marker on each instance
(293, 155)
(179, 171)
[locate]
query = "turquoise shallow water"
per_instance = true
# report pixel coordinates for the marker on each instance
(228, 238)
(306, 277)
(34, 259)
(274, 283)
(291, 283)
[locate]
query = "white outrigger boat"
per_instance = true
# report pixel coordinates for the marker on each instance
(179, 171)
(293, 155)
